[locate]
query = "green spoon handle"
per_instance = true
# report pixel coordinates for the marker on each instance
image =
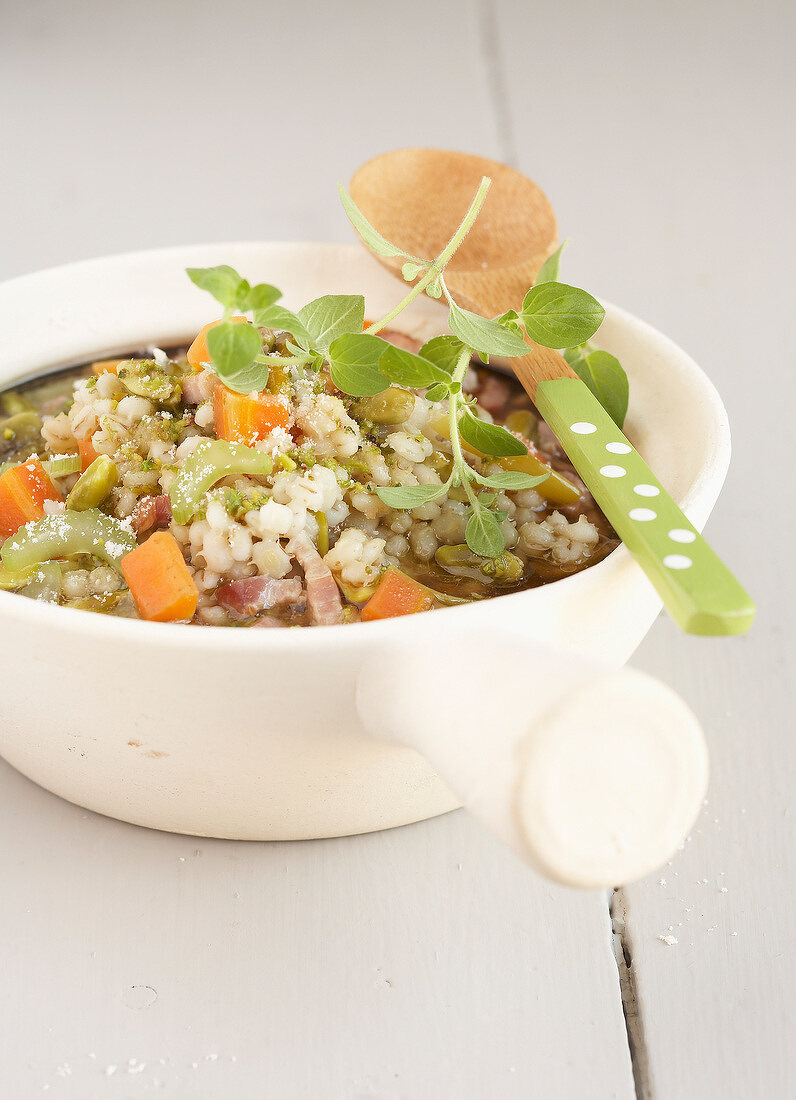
(697, 588)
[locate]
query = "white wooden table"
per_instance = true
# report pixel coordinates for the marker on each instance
(425, 963)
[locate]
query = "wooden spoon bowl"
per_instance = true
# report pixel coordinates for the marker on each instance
(499, 259)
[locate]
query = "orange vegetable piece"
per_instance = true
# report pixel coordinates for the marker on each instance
(23, 491)
(240, 418)
(197, 354)
(159, 580)
(397, 594)
(105, 366)
(87, 453)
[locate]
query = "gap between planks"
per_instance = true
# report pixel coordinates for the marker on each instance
(634, 1024)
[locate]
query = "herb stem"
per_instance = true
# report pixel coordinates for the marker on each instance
(282, 360)
(460, 464)
(437, 266)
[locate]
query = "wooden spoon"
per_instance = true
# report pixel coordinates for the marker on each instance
(415, 198)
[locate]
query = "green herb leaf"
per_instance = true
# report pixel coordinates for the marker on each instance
(260, 297)
(354, 363)
(510, 481)
(331, 316)
(411, 270)
(410, 496)
(605, 377)
(443, 351)
(548, 272)
(410, 370)
(233, 349)
(437, 392)
(434, 288)
(279, 318)
(223, 282)
(372, 238)
(560, 316)
(510, 320)
(483, 534)
(486, 336)
(490, 439)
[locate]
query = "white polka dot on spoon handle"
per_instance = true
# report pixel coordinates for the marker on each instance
(697, 588)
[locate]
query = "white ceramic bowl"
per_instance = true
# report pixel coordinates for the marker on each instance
(255, 734)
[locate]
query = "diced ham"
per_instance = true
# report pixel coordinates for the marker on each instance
(249, 595)
(323, 595)
(197, 388)
(493, 394)
(151, 512)
(267, 623)
(401, 340)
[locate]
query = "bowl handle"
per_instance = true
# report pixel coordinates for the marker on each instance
(592, 774)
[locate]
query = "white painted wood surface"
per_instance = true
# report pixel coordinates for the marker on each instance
(426, 962)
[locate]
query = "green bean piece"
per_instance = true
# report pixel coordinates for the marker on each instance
(358, 595)
(323, 533)
(65, 536)
(505, 569)
(105, 604)
(93, 486)
(461, 561)
(13, 580)
(524, 422)
(63, 465)
(46, 583)
(391, 406)
(19, 430)
(211, 461)
(144, 378)
(12, 403)
(442, 463)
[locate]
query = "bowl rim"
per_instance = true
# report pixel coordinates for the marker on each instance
(702, 491)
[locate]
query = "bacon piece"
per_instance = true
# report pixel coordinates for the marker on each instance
(493, 394)
(323, 595)
(267, 623)
(401, 340)
(199, 387)
(151, 512)
(249, 595)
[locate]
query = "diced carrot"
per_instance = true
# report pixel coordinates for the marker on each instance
(240, 418)
(105, 366)
(197, 354)
(87, 453)
(23, 491)
(397, 594)
(159, 580)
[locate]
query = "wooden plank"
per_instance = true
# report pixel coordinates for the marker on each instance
(420, 963)
(657, 135)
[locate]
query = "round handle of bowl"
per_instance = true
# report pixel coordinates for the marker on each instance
(592, 775)
(697, 588)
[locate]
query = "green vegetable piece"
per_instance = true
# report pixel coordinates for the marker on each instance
(12, 403)
(356, 595)
(524, 423)
(45, 584)
(211, 461)
(323, 533)
(93, 487)
(144, 378)
(391, 406)
(507, 568)
(65, 536)
(460, 560)
(19, 430)
(63, 465)
(13, 580)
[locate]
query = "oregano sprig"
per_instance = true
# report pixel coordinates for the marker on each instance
(329, 331)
